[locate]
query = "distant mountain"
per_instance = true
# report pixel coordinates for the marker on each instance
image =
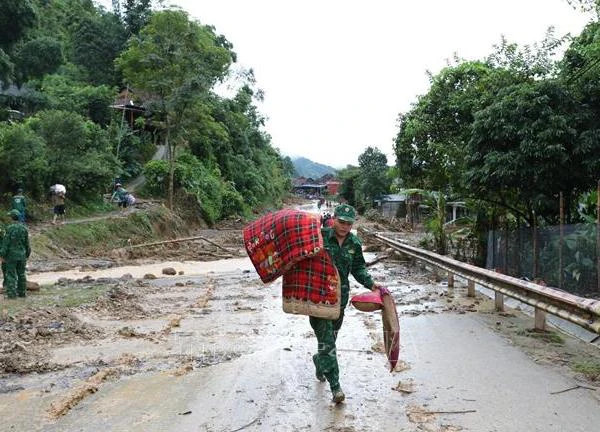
(309, 169)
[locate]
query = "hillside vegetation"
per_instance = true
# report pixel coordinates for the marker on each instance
(64, 63)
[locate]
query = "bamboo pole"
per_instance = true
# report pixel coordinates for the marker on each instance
(561, 240)
(180, 240)
(598, 236)
(535, 247)
(505, 264)
(519, 247)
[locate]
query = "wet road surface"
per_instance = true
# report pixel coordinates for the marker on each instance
(235, 361)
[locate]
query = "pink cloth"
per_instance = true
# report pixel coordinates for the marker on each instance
(367, 302)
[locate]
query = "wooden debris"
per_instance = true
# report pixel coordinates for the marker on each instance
(418, 414)
(90, 386)
(376, 260)
(406, 387)
(180, 240)
(401, 366)
(578, 386)
(203, 301)
(183, 370)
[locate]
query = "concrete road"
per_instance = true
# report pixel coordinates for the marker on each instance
(462, 375)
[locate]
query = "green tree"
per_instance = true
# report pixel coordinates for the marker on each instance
(23, 160)
(349, 177)
(373, 179)
(176, 61)
(136, 14)
(288, 167)
(526, 148)
(586, 5)
(97, 41)
(433, 135)
(16, 17)
(63, 93)
(39, 57)
(79, 153)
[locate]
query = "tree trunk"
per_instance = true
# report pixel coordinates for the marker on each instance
(171, 155)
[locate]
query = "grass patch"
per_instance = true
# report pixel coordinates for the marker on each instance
(590, 368)
(98, 237)
(54, 296)
(43, 211)
(546, 336)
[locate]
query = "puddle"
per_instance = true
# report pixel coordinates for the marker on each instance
(190, 268)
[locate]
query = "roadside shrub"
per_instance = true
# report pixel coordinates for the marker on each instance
(373, 216)
(195, 178)
(157, 177)
(233, 201)
(23, 160)
(78, 153)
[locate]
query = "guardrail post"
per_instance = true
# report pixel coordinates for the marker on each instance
(436, 273)
(471, 289)
(499, 301)
(540, 319)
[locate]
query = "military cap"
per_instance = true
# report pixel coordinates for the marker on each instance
(345, 212)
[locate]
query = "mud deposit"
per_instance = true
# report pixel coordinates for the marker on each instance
(129, 349)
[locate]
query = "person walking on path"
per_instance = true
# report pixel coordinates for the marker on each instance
(345, 250)
(58, 201)
(19, 203)
(14, 252)
(121, 194)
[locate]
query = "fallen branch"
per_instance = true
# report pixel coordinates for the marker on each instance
(450, 412)
(91, 385)
(573, 388)
(376, 260)
(212, 254)
(180, 240)
(215, 244)
(245, 426)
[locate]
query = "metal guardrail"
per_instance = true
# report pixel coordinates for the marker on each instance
(581, 311)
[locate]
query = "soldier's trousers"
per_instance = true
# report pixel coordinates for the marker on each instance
(326, 357)
(15, 283)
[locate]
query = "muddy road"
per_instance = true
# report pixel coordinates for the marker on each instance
(209, 349)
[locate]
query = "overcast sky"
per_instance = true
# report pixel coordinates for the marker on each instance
(336, 73)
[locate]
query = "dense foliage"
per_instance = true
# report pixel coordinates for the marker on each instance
(64, 63)
(512, 130)
(368, 182)
(509, 134)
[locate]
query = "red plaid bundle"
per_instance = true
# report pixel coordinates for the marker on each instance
(278, 240)
(312, 287)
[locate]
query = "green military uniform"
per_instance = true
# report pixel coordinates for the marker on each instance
(19, 204)
(15, 250)
(121, 194)
(348, 259)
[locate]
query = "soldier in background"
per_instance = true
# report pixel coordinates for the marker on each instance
(19, 203)
(14, 252)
